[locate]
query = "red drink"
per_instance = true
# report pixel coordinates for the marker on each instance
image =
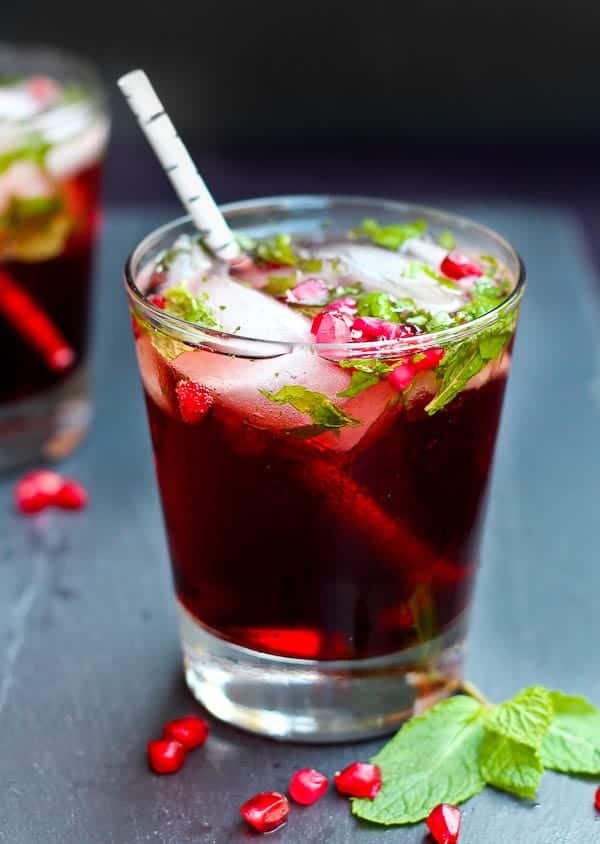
(325, 502)
(52, 139)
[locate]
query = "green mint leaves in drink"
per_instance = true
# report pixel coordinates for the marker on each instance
(462, 744)
(322, 411)
(390, 236)
(185, 305)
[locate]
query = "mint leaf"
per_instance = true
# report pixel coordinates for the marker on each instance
(465, 359)
(183, 304)
(510, 766)
(34, 151)
(310, 265)
(572, 744)
(367, 373)
(526, 718)
(277, 250)
(167, 346)
(417, 269)
(487, 295)
(277, 285)
(321, 409)
(433, 759)
(245, 242)
(447, 240)
(377, 304)
(392, 236)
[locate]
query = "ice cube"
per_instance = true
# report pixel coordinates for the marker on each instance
(236, 385)
(382, 269)
(67, 158)
(23, 179)
(247, 312)
(17, 103)
(426, 251)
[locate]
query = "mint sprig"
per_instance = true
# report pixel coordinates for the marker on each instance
(391, 236)
(181, 303)
(277, 250)
(323, 412)
(467, 358)
(367, 372)
(449, 753)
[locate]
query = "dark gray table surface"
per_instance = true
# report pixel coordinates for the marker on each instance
(89, 662)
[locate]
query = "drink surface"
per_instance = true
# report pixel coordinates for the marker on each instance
(51, 144)
(324, 501)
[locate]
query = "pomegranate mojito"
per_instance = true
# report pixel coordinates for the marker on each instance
(52, 136)
(323, 427)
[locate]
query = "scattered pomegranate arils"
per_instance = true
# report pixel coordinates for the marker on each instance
(333, 329)
(444, 823)
(71, 496)
(166, 756)
(157, 300)
(266, 811)
(373, 328)
(311, 291)
(456, 265)
(194, 401)
(37, 490)
(190, 731)
(428, 359)
(401, 376)
(597, 799)
(345, 308)
(307, 786)
(359, 779)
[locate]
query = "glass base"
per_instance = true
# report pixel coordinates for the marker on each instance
(47, 426)
(313, 701)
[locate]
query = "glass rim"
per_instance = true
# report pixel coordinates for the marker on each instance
(94, 99)
(197, 334)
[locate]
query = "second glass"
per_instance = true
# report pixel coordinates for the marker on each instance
(53, 133)
(323, 577)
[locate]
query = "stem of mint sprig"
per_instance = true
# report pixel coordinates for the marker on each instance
(452, 751)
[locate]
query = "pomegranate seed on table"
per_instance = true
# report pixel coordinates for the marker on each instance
(190, 731)
(359, 779)
(266, 811)
(37, 490)
(166, 756)
(307, 786)
(457, 266)
(597, 799)
(71, 496)
(444, 823)
(194, 401)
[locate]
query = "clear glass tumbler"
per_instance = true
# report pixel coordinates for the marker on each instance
(323, 581)
(53, 133)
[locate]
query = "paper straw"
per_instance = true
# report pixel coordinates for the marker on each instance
(178, 165)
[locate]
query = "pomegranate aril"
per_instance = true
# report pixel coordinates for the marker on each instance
(166, 756)
(428, 359)
(359, 779)
(37, 490)
(444, 823)
(597, 799)
(457, 266)
(194, 401)
(344, 308)
(307, 786)
(157, 300)
(266, 811)
(190, 731)
(401, 376)
(311, 291)
(71, 496)
(373, 328)
(333, 329)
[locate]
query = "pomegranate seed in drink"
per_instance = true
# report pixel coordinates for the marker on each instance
(333, 329)
(190, 731)
(307, 786)
(457, 266)
(597, 799)
(311, 291)
(444, 823)
(194, 401)
(266, 811)
(359, 779)
(166, 756)
(401, 376)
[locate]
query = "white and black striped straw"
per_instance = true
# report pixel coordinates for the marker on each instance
(178, 165)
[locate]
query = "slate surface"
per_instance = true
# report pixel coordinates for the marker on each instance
(89, 664)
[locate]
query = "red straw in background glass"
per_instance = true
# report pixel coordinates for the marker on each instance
(26, 317)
